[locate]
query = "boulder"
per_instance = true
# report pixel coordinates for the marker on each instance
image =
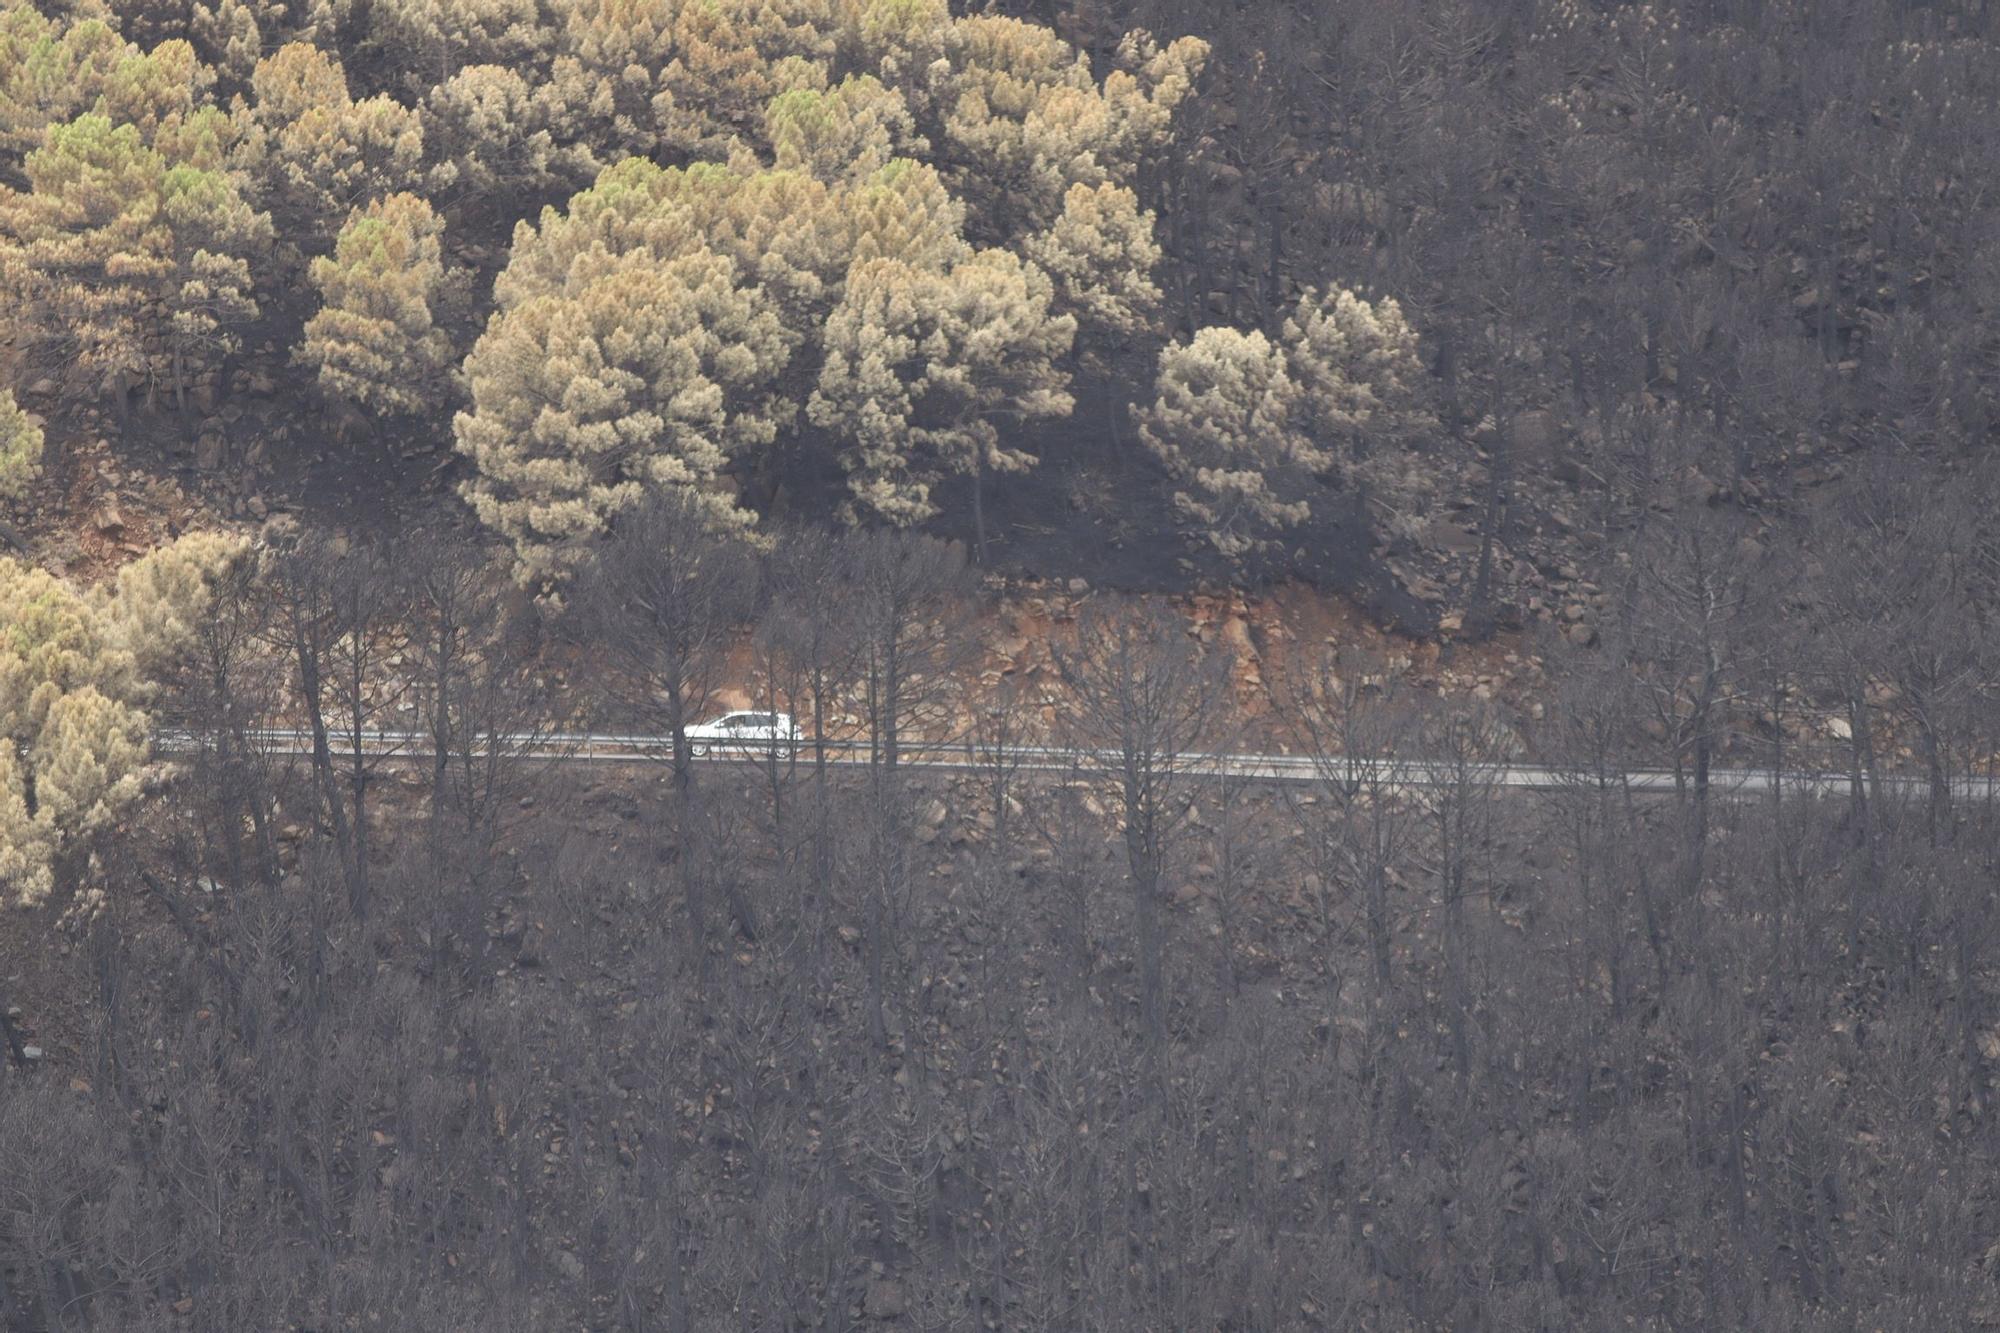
(885, 1300)
(1534, 437)
(210, 450)
(1236, 637)
(1447, 538)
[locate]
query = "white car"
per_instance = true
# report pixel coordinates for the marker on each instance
(746, 733)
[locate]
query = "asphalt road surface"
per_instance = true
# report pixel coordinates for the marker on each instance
(1396, 773)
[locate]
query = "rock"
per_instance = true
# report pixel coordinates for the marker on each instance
(1704, 489)
(209, 451)
(260, 383)
(1422, 587)
(1447, 538)
(1581, 635)
(109, 521)
(1236, 637)
(1575, 612)
(1012, 647)
(31, 1052)
(1534, 436)
(1840, 728)
(1186, 894)
(1078, 587)
(43, 388)
(571, 1266)
(885, 1300)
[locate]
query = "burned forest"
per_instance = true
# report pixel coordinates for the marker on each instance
(1068, 665)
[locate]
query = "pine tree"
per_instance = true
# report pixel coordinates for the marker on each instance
(319, 153)
(487, 137)
(638, 375)
(914, 213)
(20, 448)
(374, 341)
(77, 669)
(921, 367)
(1226, 423)
(1250, 426)
(50, 72)
(1101, 252)
(123, 266)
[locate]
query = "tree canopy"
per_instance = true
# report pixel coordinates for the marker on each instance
(912, 250)
(77, 668)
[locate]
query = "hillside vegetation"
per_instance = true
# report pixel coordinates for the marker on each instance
(1411, 386)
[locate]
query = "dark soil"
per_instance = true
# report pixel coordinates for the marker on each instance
(1097, 506)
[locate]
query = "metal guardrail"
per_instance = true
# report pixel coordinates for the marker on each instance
(617, 748)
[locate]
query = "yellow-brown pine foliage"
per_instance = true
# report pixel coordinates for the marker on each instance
(1101, 253)
(50, 72)
(121, 265)
(374, 341)
(20, 448)
(77, 669)
(319, 153)
(847, 132)
(1246, 424)
(914, 215)
(1226, 421)
(637, 374)
(920, 366)
(418, 44)
(487, 137)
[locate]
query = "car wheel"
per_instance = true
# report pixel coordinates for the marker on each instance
(698, 751)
